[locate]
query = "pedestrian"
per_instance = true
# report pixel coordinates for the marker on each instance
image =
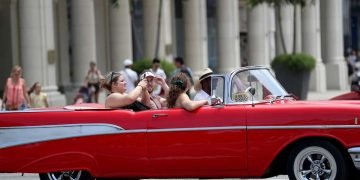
(15, 95)
(181, 67)
(156, 70)
(130, 76)
(203, 85)
(38, 98)
(93, 81)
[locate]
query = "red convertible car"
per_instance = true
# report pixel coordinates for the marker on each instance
(254, 130)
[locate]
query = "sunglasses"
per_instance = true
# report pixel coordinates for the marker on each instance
(112, 76)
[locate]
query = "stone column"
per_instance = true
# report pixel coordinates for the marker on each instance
(297, 30)
(227, 14)
(257, 35)
(151, 13)
(63, 44)
(332, 44)
(196, 47)
(120, 34)
(83, 36)
(311, 44)
(287, 19)
(37, 46)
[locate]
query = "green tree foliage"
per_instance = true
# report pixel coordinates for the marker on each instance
(140, 65)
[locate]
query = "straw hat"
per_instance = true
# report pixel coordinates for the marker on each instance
(205, 73)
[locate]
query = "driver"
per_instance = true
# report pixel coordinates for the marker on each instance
(115, 83)
(203, 85)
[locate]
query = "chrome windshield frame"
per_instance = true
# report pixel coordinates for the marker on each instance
(231, 75)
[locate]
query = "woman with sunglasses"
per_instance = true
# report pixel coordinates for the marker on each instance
(115, 83)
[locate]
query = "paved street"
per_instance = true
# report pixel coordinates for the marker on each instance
(35, 177)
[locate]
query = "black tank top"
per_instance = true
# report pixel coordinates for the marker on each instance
(136, 106)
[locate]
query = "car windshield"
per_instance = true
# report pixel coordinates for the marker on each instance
(265, 85)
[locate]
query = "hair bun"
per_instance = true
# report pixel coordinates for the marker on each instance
(178, 82)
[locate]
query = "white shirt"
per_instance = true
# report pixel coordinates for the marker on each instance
(161, 73)
(130, 77)
(201, 95)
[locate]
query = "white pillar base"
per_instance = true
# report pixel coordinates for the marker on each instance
(318, 78)
(54, 97)
(337, 75)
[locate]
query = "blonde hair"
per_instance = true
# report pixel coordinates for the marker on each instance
(15, 68)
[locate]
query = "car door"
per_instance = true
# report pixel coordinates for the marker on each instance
(202, 141)
(209, 141)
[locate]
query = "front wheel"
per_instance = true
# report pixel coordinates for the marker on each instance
(317, 161)
(66, 175)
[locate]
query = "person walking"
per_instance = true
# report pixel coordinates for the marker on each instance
(15, 95)
(181, 67)
(93, 81)
(130, 75)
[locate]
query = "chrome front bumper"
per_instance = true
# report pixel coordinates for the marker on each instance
(355, 156)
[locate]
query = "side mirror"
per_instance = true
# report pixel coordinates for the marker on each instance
(251, 78)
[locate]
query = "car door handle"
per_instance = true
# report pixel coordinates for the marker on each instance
(159, 115)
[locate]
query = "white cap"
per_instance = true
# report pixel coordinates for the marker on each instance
(128, 62)
(146, 74)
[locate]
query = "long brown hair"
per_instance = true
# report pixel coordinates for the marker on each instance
(178, 85)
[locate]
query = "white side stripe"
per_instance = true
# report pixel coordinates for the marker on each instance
(14, 136)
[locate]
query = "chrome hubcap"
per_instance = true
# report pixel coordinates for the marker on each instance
(315, 163)
(65, 175)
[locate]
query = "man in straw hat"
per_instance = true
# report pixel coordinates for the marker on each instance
(203, 85)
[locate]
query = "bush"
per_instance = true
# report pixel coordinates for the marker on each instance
(294, 62)
(140, 65)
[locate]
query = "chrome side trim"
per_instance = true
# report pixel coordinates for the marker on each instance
(197, 129)
(14, 136)
(304, 127)
(355, 156)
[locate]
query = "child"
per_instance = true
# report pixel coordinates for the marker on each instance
(38, 99)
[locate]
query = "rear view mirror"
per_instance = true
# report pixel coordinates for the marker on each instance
(251, 78)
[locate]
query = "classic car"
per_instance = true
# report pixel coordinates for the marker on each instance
(354, 93)
(252, 129)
